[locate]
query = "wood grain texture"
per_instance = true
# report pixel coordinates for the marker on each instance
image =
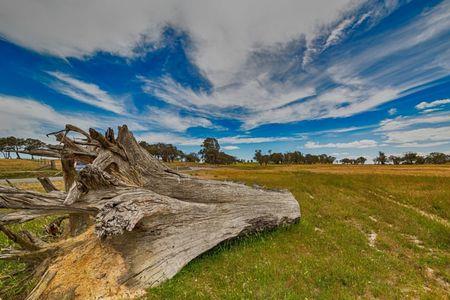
(152, 218)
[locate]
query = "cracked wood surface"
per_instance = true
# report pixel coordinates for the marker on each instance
(153, 219)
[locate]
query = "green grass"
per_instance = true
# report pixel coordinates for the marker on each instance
(15, 280)
(327, 255)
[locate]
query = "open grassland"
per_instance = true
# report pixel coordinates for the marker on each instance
(366, 231)
(25, 168)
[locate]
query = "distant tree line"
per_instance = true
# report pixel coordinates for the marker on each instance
(295, 157)
(16, 145)
(164, 152)
(354, 161)
(210, 153)
(412, 158)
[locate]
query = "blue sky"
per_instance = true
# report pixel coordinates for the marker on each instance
(346, 78)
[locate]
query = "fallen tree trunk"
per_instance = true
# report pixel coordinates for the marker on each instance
(150, 221)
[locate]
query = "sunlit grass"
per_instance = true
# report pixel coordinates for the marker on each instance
(328, 254)
(26, 168)
(354, 239)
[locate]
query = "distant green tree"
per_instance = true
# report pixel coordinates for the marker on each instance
(225, 159)
(437, 158)
(164, 152)
(191, 157)
(33, 144)
(381, 158)
(258, 157)
(410, 158)
(210, 151)
(4, 148)
(360, 160)
(276, 158)
(396, 160)
(15, 145)
(346, 161)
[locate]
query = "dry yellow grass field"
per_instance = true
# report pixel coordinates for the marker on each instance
(25, 168)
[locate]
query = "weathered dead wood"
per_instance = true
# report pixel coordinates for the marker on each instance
(78, 222)
(26, 255)
(47, 184)
(149, 219)
(43, 152)
(21, 216)
(23, 240)
(36, 293)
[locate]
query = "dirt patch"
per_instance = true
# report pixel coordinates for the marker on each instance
(431, 274)
(372, 237)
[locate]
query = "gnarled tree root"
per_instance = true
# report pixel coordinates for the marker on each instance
(149, 221)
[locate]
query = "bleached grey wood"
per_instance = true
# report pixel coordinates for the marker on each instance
(155, 218)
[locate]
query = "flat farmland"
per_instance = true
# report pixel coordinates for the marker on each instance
(365, 232)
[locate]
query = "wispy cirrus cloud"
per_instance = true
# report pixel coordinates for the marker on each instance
(230, 148)
(92, 94)
(243, 64)
(88, 93)
(230, 142)
(172, 119)
(422, 137)
(239, 139)
(26, 117)
(402, 122)
(253, 96)
(360, 144)
(416, 131)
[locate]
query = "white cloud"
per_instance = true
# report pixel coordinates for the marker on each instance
(224, 31)
(430, 110)
(255, 140)
(253, 95)
(91, 94)
(427, 105)
(338, 130)
(169, 138)
(29, 118)
(336, 103)
(423, 137)
(401, 122)
(392, 111)
(355, 144)
(225, 35)
(416, 131)
(86, 92)
(416, 69)
(232, 141)
(230, 148)
(173, 120)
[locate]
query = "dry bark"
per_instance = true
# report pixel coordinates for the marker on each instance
(47, 184)
(150, 221)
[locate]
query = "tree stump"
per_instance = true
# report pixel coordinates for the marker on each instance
(149, 220)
